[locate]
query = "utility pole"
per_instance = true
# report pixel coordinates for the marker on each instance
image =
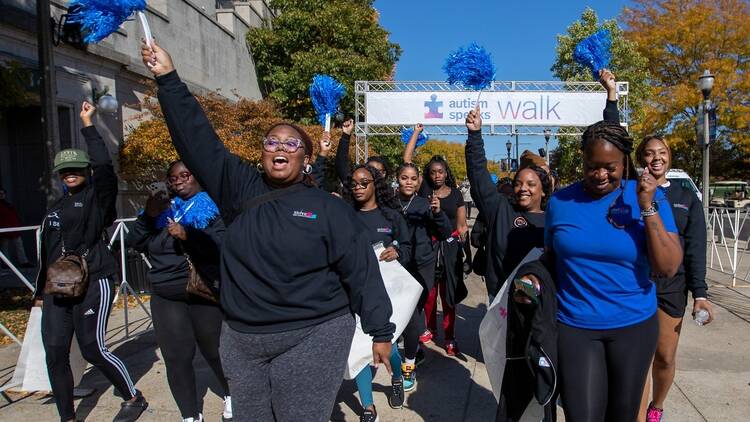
(48, 97)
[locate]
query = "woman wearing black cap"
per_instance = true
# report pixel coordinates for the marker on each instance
(74, 225)
(295, 263)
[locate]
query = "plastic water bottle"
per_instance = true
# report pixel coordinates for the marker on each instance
(701, 317)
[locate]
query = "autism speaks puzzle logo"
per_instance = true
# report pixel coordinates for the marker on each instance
(433, 108)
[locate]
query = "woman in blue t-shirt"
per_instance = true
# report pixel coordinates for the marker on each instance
(604, 236)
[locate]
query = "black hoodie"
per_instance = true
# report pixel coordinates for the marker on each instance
(290, 263)
(511, 234)
(79, 220)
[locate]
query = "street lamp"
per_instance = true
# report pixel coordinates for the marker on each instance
(508, 146)
(547, 134)
(706, 84)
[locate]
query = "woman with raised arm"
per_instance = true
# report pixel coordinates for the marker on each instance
(73, 226)
(343, 162)
(175, 234)
(295, 263)
(515, 226)
(604, 237)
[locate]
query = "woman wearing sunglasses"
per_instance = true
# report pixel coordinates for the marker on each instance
(367, 191)
(170, 232)
(295, 263)
(604, 236)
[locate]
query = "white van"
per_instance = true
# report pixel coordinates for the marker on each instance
(680, 176)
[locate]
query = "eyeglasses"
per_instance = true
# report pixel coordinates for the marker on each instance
(182, 177)
(290, 145)
(364, 183)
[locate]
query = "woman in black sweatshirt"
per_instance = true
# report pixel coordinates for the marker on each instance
(428, 225)
(368, 193)
(75, 224)
(295, 263)
(170, 233)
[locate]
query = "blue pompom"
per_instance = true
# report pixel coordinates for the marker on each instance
(326, 94)
(594, 51)
(197, 212)
(99, 18)
(408, 131)
(471, 67)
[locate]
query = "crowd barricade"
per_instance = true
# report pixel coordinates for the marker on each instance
(133, 270)
(728, 238)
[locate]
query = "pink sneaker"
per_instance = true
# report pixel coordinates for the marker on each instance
(654, 414)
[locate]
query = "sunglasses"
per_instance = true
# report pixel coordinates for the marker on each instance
(182, 177)
(290, 145)
(364, 183)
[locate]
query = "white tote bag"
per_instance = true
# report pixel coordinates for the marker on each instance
(494, 327)
(31, 369)
(404, 291)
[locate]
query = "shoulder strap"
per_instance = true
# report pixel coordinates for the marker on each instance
(271, 196)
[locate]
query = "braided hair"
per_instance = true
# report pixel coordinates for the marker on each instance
(384, 197)
(616, 135)
(449, 179)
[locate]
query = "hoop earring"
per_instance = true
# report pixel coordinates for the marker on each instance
(307, 169)
(259, 166)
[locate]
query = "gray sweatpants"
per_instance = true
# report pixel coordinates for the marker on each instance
(287, 376)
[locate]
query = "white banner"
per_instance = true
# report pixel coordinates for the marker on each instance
(500, 108)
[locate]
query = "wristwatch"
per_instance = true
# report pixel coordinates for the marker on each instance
(650, 211)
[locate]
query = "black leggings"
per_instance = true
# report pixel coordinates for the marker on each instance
(603, 371)
(180, 323)
(87, 318)
(425, 275)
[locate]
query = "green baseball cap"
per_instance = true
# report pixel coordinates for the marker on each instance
(71, 158)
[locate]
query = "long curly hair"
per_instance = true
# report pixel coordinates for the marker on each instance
(449, 179)
(543, 177)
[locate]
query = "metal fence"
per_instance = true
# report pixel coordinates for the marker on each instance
(728, 238)
(127, 260)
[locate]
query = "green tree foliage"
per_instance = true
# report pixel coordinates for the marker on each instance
(342, 38)
(628, 64)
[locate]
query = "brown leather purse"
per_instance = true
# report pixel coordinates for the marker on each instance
(197, 284)
(68, 277)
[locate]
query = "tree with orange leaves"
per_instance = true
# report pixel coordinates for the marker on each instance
(681, 38)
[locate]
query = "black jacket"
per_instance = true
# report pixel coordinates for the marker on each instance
(169, 267)
(424, 225)
(691, 225)
(79, 220)
(343, 162)
(511, 234)
(531, 347)
(290, 263)
(388, 226)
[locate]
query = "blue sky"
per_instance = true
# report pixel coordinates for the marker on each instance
(520, 35)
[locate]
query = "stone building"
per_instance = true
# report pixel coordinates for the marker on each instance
(205, 37)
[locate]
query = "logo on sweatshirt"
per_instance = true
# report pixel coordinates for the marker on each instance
(305, 214)
(78, 204)
(385, 230)
(89, 312)
(681, 206)
(520, 222)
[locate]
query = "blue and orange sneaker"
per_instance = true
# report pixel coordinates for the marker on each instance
(408, 370)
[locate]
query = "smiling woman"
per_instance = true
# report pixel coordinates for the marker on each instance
(294, 265)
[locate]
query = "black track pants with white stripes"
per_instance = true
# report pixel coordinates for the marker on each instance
(87, 318)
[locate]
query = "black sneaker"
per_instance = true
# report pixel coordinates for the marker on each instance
(368, 416)
(420, 357)
(130, 411)
(396, 399)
